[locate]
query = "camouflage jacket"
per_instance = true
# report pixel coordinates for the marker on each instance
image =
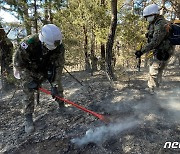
(157, 36)
(34, 57)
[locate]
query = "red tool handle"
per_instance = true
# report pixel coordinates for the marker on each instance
(100, 116)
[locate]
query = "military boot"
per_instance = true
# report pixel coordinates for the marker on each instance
(29, 126)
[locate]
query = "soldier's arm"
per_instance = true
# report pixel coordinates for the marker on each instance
(17, 58)
(18, 66)
(20, 57)
(59, 62)
(159, 35)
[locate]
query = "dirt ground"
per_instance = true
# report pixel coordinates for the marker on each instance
(140, 122)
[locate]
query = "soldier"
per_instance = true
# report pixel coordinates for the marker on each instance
(6, 48)
(158, 43)
(39, 57)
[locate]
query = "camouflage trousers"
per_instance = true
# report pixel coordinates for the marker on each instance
(155, 73)
(29, 94)
(156, 69)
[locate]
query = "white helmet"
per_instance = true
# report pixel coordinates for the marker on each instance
(51, 36)
(150, 10)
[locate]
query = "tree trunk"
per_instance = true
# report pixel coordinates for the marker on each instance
(103, 52)
(87, 57)
(50, 11)
(163, 7)
(6, 47)
(178, 10)
(35, 17)
(27, 21)
(102, 60)
(93, 57)
(133, 9)
(46, 16)
(109, 45)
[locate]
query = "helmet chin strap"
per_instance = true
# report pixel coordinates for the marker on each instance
(50, 47)
(45, 50)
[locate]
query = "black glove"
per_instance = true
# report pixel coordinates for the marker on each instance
(162, 56)
(54, 91)
(138, 54)
(33, 85)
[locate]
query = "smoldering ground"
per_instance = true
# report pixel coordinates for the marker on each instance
(171, 103)
(100, 134)
(164, 105)
(148, 110)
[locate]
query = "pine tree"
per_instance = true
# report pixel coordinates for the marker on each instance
(110, 40)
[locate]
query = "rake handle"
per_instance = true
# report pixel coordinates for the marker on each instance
(99, 116)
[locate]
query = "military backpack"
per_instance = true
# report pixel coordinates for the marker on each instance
(174, 32)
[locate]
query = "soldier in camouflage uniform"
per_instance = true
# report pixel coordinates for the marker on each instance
(38, 58)
(158, 43)
(6, 48)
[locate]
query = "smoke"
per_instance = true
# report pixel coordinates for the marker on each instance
(101, 134)
(164, 105)
(172, 105)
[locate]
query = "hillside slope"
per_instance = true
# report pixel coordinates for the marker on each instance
(140, 122)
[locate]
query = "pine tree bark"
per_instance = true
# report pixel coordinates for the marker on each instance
(163, 7)
(27, 21)
(178, 10)
(109, 45)
(93, 56)
(87, 57)
(103, 53)
(35, 17)
(50, 11)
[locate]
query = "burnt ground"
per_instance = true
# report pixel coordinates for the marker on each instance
(140, 122)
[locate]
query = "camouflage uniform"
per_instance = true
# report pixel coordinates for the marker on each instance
(6, 48)
(157, 42)
(32, 59)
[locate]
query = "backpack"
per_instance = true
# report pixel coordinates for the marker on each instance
(174, 32)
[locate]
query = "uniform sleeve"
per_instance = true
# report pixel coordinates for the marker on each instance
(18, 65)
(20, 58)
(21, 55)
(158, 36)
(58, 57)
(60, 65)
(16, 59)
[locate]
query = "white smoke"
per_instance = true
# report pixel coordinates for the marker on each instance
(172, 105)
(100, 134)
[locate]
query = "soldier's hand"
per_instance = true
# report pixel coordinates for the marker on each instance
(54, 92)
(138, 54)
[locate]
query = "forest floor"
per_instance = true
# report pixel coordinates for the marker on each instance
(140, 122)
